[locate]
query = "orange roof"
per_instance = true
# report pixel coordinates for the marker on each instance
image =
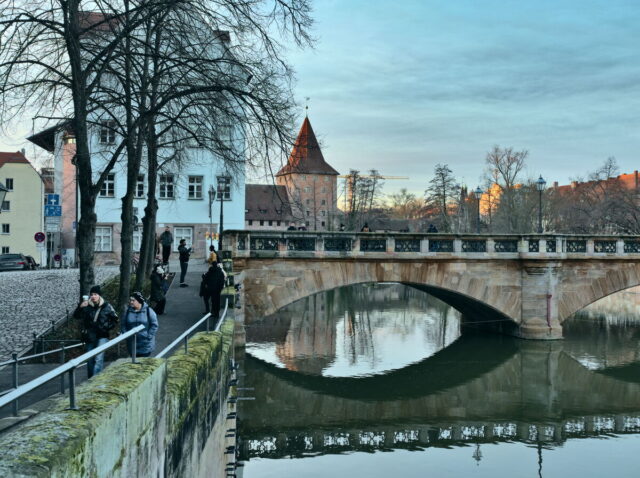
(16, 157)
(306, 157)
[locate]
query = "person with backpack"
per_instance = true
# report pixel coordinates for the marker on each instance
(139, 313)
(98, 320)
(211, 288)
(157, 300)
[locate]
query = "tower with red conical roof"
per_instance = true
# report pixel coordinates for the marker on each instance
(311, 182)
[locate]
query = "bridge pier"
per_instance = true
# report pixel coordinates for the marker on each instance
(539, 315)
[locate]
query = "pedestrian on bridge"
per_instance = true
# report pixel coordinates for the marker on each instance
(98, 320)
(139, 313)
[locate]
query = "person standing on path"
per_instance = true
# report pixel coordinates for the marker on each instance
(211, 288)
(98, 319)
(185, 252)
(166, 239)
(157, 301)
(139, 313)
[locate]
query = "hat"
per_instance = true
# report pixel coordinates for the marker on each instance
(138, 297)
(95, 290)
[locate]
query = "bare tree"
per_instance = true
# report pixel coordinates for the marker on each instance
(441, 195)
(504, 166)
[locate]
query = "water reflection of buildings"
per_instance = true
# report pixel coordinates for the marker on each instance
(351, 324)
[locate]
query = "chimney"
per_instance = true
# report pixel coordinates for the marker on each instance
(574, 184)
(635, 175)
(24, 153)
(555, 184)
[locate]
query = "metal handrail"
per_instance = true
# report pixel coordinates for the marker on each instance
(29, 357)
(69, 367)
(185, 335)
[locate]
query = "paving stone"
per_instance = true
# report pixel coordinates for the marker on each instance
(30, 300)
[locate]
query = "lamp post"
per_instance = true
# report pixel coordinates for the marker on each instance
(3, 193)
(223, 182)
(212, 195)
(540, 184)
(478, 193)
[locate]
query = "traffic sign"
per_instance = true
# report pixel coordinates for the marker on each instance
(53, 200)
(52, 210)
(57, 257)
(52, 227)
(39, 237)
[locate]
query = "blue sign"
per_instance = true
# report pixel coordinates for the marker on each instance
(53, 200)
(53, 210)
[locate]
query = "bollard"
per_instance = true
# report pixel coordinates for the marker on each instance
(14, 356)
(72, 389)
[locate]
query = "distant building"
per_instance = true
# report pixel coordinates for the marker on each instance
(310, 183)
(22, 209)
(267, 207)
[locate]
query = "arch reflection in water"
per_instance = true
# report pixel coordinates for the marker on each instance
(359, 330)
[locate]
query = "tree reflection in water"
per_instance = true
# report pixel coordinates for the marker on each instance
(358, 330)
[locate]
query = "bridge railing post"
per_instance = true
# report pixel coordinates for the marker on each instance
(457, 246)
(590, 247)
(620, 247)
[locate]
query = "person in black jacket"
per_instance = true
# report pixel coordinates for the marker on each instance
(98, 319)
(211, 287)
(157, 300)
(185, 252)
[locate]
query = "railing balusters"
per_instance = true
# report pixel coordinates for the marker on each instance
(14, 381)
(72, 389)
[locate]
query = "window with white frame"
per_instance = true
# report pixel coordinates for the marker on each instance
(5, 249)
(224, 187)
(307, 189)
(108, 188)
(167, 186)
(180, 233)
(6, 205)
(6, 228)
(107, 132)
(104, 242)
(8, 183)
(139, 192)
(195, 187)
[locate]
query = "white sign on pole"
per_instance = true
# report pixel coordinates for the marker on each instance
(52, 227)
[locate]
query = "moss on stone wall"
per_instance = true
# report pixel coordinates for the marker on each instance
(58, 439)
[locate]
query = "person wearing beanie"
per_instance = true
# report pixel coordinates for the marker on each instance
(139, 313)
(98, 320)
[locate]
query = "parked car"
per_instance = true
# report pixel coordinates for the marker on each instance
(33, 265)
(14, 262)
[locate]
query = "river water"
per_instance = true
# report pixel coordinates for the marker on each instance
(383, 380)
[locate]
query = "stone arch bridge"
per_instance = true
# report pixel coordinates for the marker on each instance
(526, 284)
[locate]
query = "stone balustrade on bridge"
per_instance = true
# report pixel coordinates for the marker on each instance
(411, 245)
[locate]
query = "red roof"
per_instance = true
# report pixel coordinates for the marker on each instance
(16, 157)
(306, 157)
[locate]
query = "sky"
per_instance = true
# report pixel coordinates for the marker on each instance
(400, 86)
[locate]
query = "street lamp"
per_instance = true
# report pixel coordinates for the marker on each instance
(478, 193)
(3, 193)
(212, 195)
(540, 184)
(224, 182)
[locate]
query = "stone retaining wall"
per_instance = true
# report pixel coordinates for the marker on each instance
(155, 418)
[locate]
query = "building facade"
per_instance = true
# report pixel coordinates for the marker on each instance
(311, 183)
(21, 216)
(190, 196)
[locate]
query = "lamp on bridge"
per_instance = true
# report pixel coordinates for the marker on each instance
(540, 185)
(478, 194)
